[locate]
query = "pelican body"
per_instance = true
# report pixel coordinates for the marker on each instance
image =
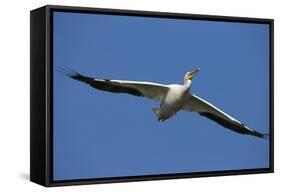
(176, 98)
(173, 98)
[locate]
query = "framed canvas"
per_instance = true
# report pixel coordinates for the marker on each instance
(122, 95)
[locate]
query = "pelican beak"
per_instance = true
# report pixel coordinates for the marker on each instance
(193, 73)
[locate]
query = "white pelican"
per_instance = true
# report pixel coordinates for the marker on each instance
(173, 98)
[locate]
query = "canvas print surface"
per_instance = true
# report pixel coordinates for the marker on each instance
(113, 116)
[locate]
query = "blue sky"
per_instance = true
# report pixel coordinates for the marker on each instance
(100, 134)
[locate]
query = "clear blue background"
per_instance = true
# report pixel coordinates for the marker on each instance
(101, 134)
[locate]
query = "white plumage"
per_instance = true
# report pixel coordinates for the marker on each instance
(173, 98)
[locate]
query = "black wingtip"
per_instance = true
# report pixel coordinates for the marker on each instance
(68, 71)
(239, 128)
(265, 136)
(71, 73)
(260, 135)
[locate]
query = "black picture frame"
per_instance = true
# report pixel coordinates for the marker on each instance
(41, 103)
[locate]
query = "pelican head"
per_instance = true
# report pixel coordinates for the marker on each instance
(190, 75)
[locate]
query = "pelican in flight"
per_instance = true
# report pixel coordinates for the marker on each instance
(173, 98)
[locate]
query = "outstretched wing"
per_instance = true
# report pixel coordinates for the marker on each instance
(208, 110)
(136, 88)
